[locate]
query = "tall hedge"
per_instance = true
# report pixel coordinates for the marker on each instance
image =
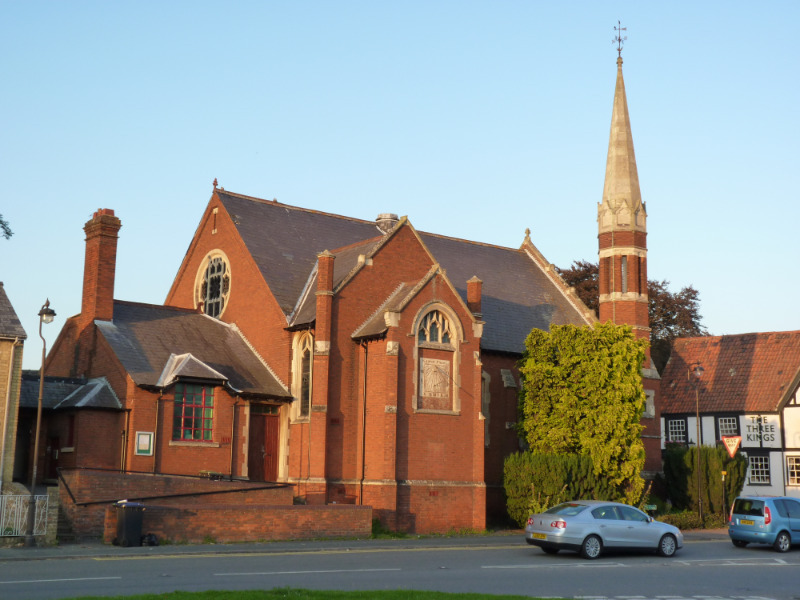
(582, 394)
(534, 482)
(680, 477)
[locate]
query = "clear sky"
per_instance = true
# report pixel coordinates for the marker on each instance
(475, 119)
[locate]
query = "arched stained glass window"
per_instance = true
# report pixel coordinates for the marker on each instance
(434, 329)
(215, 287)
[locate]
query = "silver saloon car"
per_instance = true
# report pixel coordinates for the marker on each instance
(592, 526)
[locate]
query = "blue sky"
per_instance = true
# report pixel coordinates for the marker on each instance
(475, 119)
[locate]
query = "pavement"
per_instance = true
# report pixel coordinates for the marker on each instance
(97, 549)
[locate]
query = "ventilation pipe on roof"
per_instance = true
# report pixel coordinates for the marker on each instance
(386, 222)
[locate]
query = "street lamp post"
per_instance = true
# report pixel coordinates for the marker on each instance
(697, 370)
(46, 315)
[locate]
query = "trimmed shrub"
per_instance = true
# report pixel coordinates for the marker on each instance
(680, 477)
(535, 482)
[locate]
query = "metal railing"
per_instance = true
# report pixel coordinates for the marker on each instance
(14, 515)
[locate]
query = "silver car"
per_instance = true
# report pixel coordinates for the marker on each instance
(591, 526)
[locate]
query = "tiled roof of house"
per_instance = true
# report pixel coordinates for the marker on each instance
(750, 372)
(10, 327)
(146, 338)
(67, 392)
(285, 240)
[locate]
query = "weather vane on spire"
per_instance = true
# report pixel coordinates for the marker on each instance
(619, 39)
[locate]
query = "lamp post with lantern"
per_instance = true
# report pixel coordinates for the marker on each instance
(695, 373)
(46, 315)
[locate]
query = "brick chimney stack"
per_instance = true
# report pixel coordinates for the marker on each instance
(100, 266)
(474, 293)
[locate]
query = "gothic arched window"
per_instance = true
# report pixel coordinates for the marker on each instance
(437, 367)
(302, 369)
(434, 329)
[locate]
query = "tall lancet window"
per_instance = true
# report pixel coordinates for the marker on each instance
(624, 268)
(302, 370)
(437, 364)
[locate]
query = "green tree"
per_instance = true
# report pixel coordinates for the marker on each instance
(5, 228)
(680, 477)
(672, 315)
(582, 394)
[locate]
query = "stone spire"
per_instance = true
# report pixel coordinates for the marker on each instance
(622, 226)
(622, 200)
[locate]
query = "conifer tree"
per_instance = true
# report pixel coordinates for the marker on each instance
(582, 394)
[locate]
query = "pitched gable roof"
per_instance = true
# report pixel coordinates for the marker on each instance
(146, 339)
(67, 392)
(10, 327)
(186, 366)
(284, 240)
(518, 294)
(751, 372)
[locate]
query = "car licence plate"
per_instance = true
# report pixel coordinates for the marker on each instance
(746, 522)
(538, 536)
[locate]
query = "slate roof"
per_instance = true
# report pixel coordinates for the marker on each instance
(376, 324)
(516, 294)
(10, 327)
(285, 240)
(751, 372)
(146, 337)
(67, 392)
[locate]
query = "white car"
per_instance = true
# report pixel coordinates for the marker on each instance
(591, 526)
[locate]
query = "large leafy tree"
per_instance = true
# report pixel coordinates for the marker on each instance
(5, 228)
(672, 315)
(582, 394)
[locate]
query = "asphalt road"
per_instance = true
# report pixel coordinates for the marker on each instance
(707, 567)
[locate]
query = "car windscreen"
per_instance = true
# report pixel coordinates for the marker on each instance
(749, 506)
(568, 509)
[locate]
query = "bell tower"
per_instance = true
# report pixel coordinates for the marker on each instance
(622, 240)
(622, 226)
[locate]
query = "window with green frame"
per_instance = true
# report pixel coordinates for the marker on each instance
(194, 413)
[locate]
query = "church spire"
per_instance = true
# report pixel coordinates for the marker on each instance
(622, 199)
(622, 222)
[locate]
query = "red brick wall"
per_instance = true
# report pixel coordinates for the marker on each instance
(251, 304)
(85, 494)
(247, 523)
(502, 441)
(154, 414)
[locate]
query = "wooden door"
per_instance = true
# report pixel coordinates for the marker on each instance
(262, 450)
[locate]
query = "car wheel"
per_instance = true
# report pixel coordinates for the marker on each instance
(739, 543)
(783, 542)
(548, 550)
(667, 546)
(591, 547)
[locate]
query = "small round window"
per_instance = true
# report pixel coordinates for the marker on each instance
(214, 286)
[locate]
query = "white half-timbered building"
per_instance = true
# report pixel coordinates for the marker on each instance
(747, 386)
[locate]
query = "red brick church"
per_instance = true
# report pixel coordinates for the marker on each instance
(361, 361)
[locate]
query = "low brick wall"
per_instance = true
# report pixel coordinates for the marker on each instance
(246, 523)
(190, 509)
